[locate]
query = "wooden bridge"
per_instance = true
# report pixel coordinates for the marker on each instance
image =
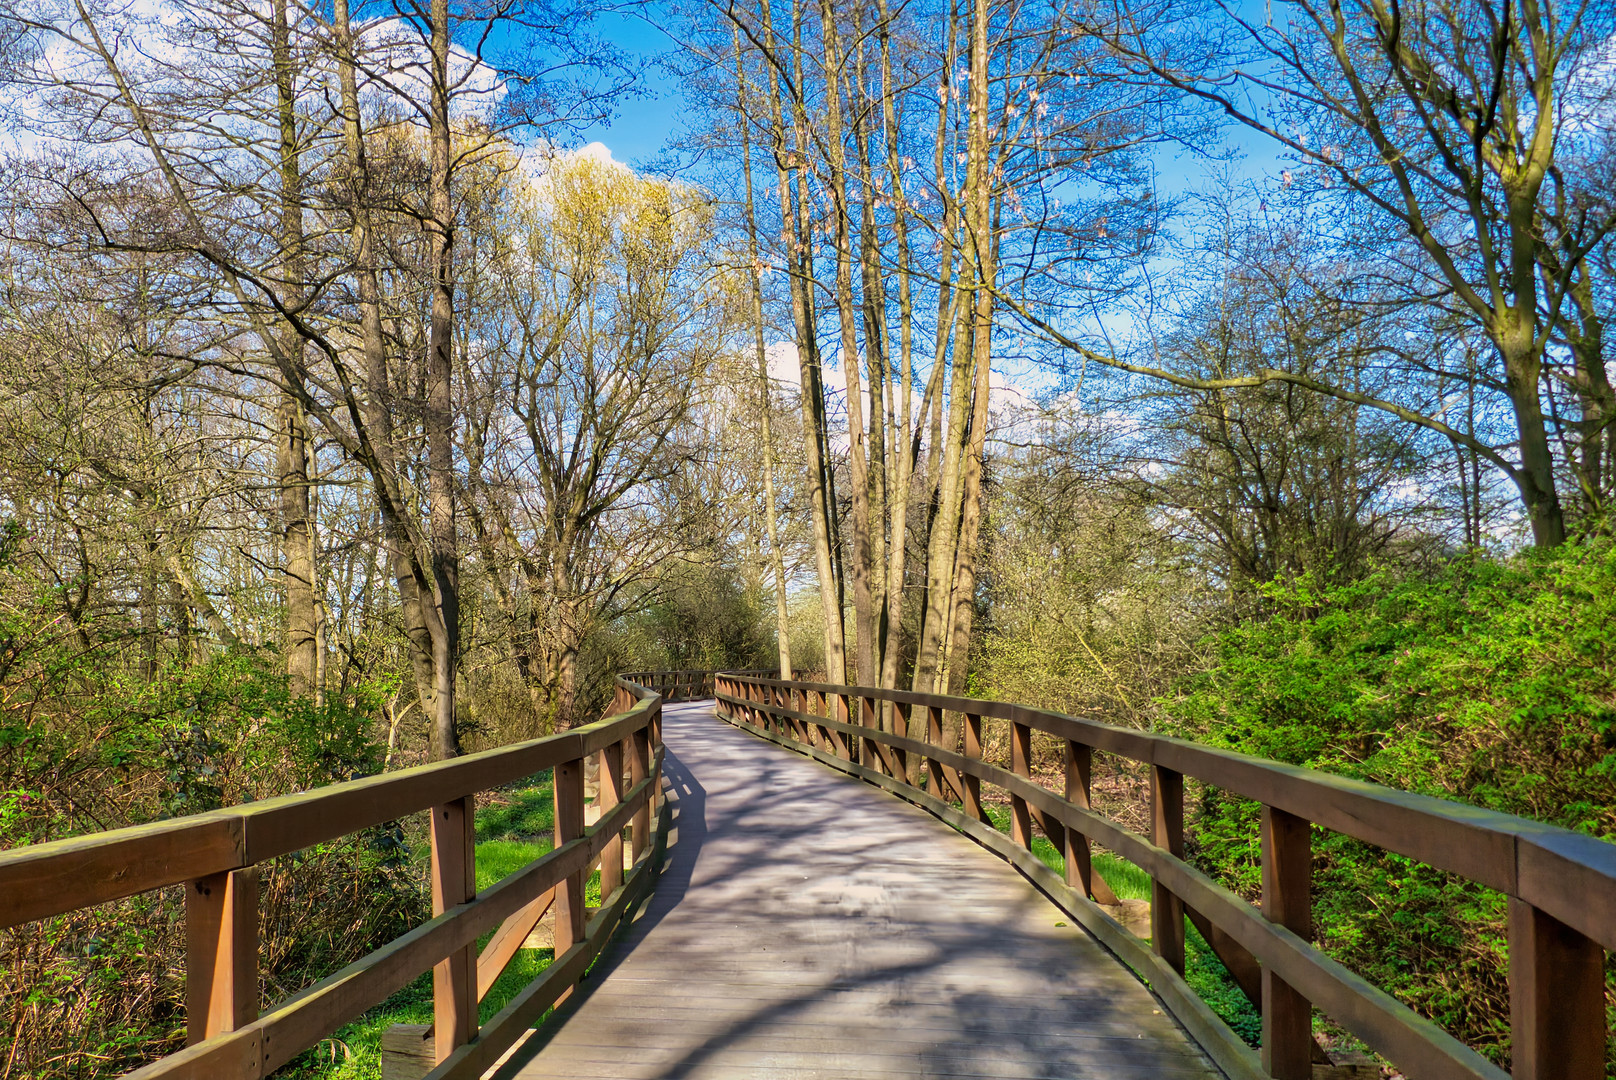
(781, 914)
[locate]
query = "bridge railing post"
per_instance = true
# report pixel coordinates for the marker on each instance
(221, 953)
(780, 700)
(639, 765)
(820, 706)
(654, 727)
(1079, 861)
(1167, 831)
(869, 756)
(569, 825)
(934, 768)
(1556, 998)
(830, 709)
(1021, 765)
(1287, 886)
(973, 784)
(900, 726)
(611, 793)
(454, 881)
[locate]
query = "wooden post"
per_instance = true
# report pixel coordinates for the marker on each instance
(900, 726)
(1021, 765)
(869, 755)
(654, 727)
(840, 711)
(973, 784)
(454, 881)
(1287, 887)
(569, 825)
(1079, 865)
(639, 765)
(934, 768)
(799, 730)
(611, 793)
(221, 953)
(819, 705)
(1556, 998)
(1167, 831)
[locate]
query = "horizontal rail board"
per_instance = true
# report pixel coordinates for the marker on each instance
(43, 880)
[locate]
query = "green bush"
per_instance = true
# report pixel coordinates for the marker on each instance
(1491, 682)
(98, 732)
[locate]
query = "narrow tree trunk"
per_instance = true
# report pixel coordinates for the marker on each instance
(942, 464)
(421, 624)
(899, 448)
(1589, 379)
(982, 244)
(439, 415)
(1523, 367)
(857, 465)
(291, 445)
(776, 561)
(878, 480)
(790, 156)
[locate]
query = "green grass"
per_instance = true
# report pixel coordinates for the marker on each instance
(511, 833)
(1203, 970)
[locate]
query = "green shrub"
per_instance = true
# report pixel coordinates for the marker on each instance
(98, 733)
(1491, 683)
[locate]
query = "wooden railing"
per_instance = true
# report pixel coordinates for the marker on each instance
(689, 685)
(1561, 885)
(216, 856)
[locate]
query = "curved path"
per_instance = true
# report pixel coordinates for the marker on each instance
(808, 925)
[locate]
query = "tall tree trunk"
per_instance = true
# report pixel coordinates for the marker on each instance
(903, 462)
(422, 623)
(1523, 370)
(790, 155)
(292, 442)
(942, 466)
(982, 225)
(879, 480)
(439, 416)
(1595, 463)
(782, 618)
(857, 465)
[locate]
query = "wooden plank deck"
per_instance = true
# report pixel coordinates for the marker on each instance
(809, 926)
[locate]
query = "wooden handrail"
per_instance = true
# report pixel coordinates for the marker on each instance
(1561, 885)
(215, 856)
(685, 684)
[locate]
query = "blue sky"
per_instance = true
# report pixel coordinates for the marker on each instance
(643, 123)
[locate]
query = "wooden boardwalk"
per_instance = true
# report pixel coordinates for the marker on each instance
(810, 926)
